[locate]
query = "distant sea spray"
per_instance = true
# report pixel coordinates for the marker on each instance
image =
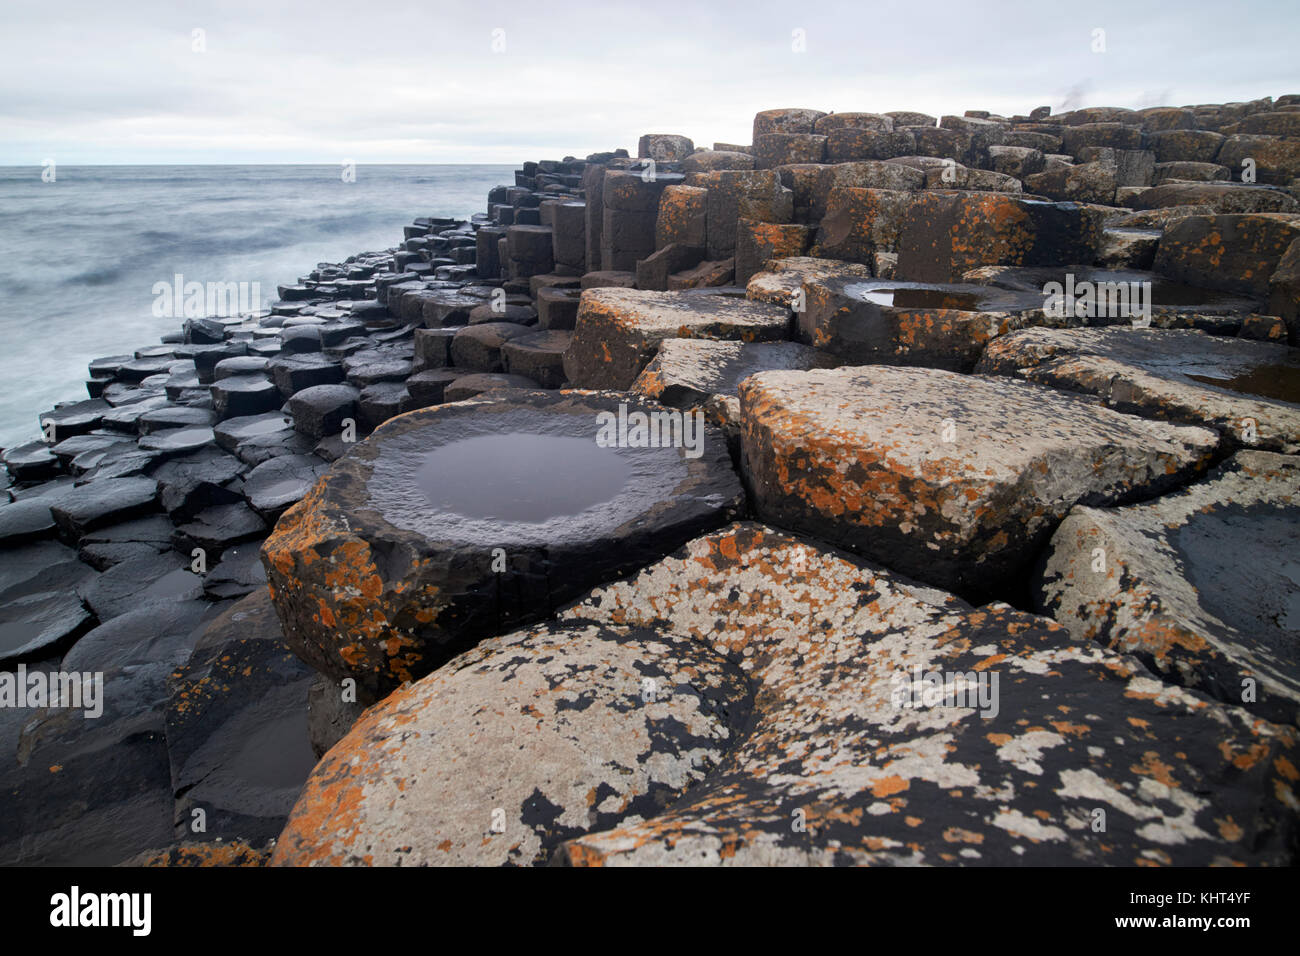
(80, 256)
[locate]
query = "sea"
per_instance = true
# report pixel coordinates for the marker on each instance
(82, 249)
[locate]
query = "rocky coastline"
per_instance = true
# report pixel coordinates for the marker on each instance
(947, 515)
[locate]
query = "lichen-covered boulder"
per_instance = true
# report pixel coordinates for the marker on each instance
(955, 480)
(1202, 585)
(948, 233)
(896, 725)
(686, 372)
(618, 330)
(869, 321)
(526, 741)
(1234, 252)
(455, 523)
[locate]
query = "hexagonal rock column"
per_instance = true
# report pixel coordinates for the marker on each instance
(869, 730)
(1249, 391)
(687, 372)
(618, 330)
(757, 242)
(861, 222)
(1201, 585)
(664, 147)
(455, 523)
(630, 207)
(782, 279)
(732, 193)
(1236, 253)
(948, 233)
(523, 742)
(953, 479)
(871, 321)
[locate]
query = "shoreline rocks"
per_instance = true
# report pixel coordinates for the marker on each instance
(388, 490)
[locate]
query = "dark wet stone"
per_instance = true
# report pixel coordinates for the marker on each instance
(381, 401)
(278, 482)
(25, 521)
(293, 373)
(93, 792)
(157, 579)
(137, 370)
(105, 502)
(131, 539)
(70, 448)
(237, 727)
(39, 624)
(30, 462)
(432, 348)
(168, 417)
(539, 356)
(74, 418)
(428, 387)
(518, 314)
(190, 484)
(98, 462)
(178, 441)
(1203, 585)
(467, 386)
(332, 710)
(477, 348)
(242, 395)
(322, 409)
(436, 490)
(218, 527)
(126, 417)
(1248, 391)
(300, 338)
(378, 365)
(239, 572)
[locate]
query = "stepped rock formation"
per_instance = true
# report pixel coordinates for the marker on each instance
(474, 521)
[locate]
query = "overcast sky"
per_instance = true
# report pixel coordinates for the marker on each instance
(391, 82)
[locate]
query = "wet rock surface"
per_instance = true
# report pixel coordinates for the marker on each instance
(906, 247)
(1248, 391)
(1203, 585)
(455, 522)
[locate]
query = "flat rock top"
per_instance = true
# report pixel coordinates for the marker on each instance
(1166, 295)
(897, 415)
(1204, 583)
(665, 312)
(529, 739)
(692, 369)
(1184, 355)
(782, 278)
(1249, 390)
(552, 481)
